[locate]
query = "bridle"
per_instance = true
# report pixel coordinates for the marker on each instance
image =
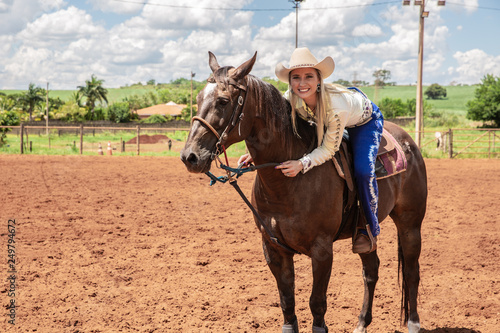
(235, 119)
(232, 173)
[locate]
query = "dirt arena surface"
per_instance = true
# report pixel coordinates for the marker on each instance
(137, 244)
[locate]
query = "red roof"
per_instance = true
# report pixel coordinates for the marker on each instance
(170, 109)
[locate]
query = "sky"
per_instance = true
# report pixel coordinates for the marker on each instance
(123, 42)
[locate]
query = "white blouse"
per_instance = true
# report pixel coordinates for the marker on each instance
(348, 109)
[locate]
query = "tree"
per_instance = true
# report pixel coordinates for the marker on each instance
(119, 112)
(93, 91)
(435, 91)
(343, 82)
(8, 118)
(31, 98)
(486, 105)
(381, 76)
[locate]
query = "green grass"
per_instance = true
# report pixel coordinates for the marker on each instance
(455, 102)
(114, 94)
(69, 144)
(448, 113)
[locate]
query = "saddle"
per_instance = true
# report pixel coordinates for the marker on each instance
(390, 161)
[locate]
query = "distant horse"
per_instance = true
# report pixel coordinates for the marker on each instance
(304, 212)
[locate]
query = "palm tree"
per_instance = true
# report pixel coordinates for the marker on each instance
(93, 91)
(77, 98)
(32, 97)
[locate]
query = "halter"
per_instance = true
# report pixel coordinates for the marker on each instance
(235, 119)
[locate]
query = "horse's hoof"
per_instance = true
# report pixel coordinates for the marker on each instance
(322, 329)
(413, 326)
(290, 328)
(360, 330)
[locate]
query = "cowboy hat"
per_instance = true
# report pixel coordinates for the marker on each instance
(302, 58)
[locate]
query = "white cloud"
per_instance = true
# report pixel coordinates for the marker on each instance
(65, 24)
(117, 7)
(367, 30)
(65, 41)
(473, 65)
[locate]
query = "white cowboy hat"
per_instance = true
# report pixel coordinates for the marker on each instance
(303, 58)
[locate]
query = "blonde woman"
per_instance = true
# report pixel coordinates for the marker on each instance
(334, 108)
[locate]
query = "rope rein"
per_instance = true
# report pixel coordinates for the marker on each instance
(235, 173)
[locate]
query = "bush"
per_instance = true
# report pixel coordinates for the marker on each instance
(8, 118)
(119, 112)
(156, 119)
(393, 107)
(435, 91)
(71, 111)
(486, 106)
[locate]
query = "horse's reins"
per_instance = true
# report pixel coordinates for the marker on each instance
(235, 119)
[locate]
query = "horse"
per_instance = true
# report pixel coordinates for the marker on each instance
(304, 212)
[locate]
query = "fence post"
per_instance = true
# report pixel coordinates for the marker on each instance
(81, 139)
(22, 138)
(450, 143)
(138, 139)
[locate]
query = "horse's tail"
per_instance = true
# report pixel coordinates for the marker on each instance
(404, 288)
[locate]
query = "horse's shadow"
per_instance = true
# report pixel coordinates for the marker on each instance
(447, 330)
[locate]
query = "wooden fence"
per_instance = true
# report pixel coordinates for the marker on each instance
(484, 143)
(466, 142)
(80, 131)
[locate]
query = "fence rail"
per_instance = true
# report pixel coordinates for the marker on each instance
(467, 141)
(24, 132)
(453, 143)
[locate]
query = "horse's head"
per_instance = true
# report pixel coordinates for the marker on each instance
(221, 106)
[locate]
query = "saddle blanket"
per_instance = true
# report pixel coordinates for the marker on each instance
(392, 162)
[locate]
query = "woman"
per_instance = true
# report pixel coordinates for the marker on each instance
(334, 108)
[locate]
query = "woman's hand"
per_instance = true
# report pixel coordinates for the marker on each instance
(246, 159)
(290, 168)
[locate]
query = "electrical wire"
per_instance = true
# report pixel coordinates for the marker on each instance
(255, 9)
(144, 3)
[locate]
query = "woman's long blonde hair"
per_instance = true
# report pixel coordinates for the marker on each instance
(323, 105)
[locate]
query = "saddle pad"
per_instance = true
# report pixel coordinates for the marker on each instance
(390, 162)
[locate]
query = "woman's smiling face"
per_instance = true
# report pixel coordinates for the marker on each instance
(304, 82)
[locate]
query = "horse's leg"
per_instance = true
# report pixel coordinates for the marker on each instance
(409, 246)
(371, 264)
(281, 264)
(321, 256)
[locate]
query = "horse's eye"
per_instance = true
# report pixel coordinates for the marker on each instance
(223, 101)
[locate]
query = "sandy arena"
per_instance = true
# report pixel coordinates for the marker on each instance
(137, 244)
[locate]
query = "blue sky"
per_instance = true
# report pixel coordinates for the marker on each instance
(128, 41)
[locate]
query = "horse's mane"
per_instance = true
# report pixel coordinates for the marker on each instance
(275, 111)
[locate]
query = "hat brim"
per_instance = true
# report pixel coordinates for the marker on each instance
(326, 68)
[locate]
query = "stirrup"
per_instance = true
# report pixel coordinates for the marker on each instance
(369, 235)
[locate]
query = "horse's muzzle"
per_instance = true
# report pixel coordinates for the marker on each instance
(196, 162)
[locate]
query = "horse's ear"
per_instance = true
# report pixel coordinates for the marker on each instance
(212, 62)
(245, 68)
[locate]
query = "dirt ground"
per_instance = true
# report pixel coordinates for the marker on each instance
(137, 244)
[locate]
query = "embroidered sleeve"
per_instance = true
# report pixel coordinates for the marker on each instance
(332, 138)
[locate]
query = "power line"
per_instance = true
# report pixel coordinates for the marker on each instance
(255, 9)
(144, 3)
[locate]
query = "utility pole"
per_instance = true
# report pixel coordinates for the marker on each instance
(296, 6)
(191, 104)
(419, 112)
(47, 110)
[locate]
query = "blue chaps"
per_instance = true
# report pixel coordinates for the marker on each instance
(365, 141)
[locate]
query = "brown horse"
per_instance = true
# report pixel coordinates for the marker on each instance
(304, 212)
